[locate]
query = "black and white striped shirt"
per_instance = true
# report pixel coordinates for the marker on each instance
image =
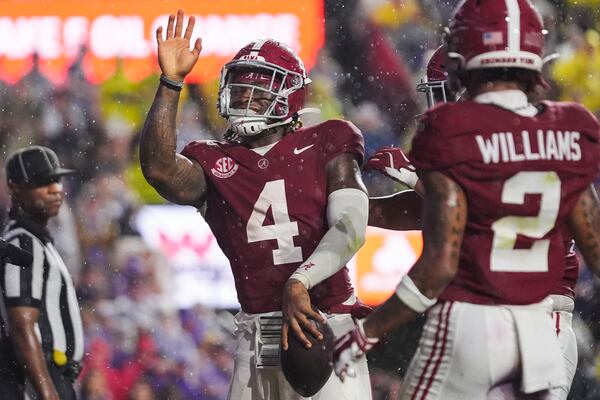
(45, 284)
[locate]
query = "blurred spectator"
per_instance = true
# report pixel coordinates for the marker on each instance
(373, 68)
(142, 390)
(578, 75)
(94, 386)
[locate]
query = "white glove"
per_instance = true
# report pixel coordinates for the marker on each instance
(392, 162)
(349, 348)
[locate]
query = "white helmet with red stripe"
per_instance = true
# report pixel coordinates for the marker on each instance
(497, 33)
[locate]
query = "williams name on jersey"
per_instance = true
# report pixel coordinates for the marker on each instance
(541, 145)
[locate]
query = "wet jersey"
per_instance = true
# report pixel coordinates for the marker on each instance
(566, 286)
(268, 212)
(522, 176)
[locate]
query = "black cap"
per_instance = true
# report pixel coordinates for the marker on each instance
(35, 165)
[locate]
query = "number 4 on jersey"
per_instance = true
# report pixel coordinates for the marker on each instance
(283, 230)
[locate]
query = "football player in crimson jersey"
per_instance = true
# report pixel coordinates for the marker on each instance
(393, 163)
(286, 204)
(502, 178)
(402, 210)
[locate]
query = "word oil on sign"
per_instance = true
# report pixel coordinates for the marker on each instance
(58, 30)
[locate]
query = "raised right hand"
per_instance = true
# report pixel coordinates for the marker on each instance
(175, 58)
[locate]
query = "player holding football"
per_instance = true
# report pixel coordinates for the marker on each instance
(523, 172)
(286, 204)
(393, 163)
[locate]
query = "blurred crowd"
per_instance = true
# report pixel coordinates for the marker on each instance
(138, 344)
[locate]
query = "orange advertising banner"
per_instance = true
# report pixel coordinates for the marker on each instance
(383, 260)
(100, 33)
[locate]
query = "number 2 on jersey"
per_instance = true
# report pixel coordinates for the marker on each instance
(283, 230)
(504, 257)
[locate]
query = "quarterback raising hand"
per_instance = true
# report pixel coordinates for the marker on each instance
(286, 204)
(175, 58)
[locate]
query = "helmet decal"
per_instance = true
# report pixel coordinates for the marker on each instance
(497, 33)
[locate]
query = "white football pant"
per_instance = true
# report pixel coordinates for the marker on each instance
(563, 318)
(478, 352)
(251, 383)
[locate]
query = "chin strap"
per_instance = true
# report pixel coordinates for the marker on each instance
(251, 126)
(294, 117)
(309, 110)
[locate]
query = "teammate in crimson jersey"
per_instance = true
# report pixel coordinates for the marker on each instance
(393, 163)
(286, 204)
(402, 210)
(523, 172)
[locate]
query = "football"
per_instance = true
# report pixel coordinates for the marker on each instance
(307, 370)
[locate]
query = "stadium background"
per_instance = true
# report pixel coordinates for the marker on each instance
(88, 103)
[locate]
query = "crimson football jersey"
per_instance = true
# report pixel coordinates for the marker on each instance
(268, 212)
(566, 286)
(522, 176)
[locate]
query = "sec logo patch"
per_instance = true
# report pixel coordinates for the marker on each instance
(224, 167)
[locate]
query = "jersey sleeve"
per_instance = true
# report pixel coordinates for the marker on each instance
(590, 128)
(193, 151)
(434, 146)
(22, 285)
(338, 137)
(202, 152)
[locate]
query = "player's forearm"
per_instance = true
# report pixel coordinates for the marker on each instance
(400, 211)
(347, 215)
(388, 317)
(584, 224)
(30, 354)
(444, 221)
(412, 297)
(158, 139)
(420, 189)
(443, 226)
(174, 176)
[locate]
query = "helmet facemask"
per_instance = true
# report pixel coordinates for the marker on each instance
(253, 95)
(435, 92)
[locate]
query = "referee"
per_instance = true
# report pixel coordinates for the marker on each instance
(41, 335)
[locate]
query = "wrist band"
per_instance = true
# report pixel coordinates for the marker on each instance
(171, 84)
(301, 278)
(410, 295)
